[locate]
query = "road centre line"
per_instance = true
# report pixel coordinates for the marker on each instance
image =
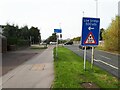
(105, 57)
(101, 56)
(106, 63)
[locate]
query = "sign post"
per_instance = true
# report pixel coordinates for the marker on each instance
(90, 35)
(85, 58)
(92, 58)
(57, 36)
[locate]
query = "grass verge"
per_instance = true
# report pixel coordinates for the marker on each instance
(103, 49)
(38, 47)
(69, 72)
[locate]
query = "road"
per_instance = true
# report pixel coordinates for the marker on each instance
(104, 60)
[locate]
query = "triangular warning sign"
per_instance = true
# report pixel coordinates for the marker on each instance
(90, 39)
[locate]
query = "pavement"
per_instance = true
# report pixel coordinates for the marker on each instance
(37, 72)
(13, 59)
(0, 67)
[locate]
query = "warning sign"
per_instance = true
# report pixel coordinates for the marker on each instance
(90, 39)
(90, 31)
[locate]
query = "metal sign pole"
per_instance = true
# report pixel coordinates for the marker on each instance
(57, 36)
(92, 58)
(56, 44)
(85, 58)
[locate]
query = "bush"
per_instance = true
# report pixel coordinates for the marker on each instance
(12, 41)
(18, 42)
(111, 35)
(23, 42)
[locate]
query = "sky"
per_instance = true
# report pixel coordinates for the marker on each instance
(48, 15)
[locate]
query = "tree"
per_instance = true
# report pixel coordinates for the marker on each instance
(35, 35)
(76, 39)
(111, 36)
(21, 36)
(11, 32)
(24, 33)
(52, 38)
(101, 32)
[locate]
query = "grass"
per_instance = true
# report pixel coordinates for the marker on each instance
(99, 48)
(69, 72)
(38, 47)
(102, 48)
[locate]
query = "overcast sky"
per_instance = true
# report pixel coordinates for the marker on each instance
(50, 14)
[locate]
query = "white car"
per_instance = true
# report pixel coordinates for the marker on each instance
(53, 43)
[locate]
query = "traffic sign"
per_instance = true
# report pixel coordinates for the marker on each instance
(60, 35)
(57, 30)
(90, 31)
(90, 39)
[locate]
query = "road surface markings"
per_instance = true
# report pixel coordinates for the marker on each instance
(105, 57)
(106, 63)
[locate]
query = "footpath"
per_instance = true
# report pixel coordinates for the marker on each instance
(38, 72)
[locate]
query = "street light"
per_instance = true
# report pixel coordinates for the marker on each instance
(92, 58)
(96, 8)
(83, 13)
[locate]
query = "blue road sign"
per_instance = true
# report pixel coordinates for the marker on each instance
(57, 30)
(90, 31)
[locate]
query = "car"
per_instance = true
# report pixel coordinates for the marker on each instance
(53, 43)
(68, 43)
(83, 47)
(43, 43)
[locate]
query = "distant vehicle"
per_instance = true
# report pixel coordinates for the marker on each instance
(43, 43)
(53, 43)
(83, 47)
(69, 43)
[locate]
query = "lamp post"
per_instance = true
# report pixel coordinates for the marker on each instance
(96, 8)
(83, 13)
(92, 58)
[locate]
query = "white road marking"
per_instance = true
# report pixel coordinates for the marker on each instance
(106, 63)
(105, 57)
(101, 55)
